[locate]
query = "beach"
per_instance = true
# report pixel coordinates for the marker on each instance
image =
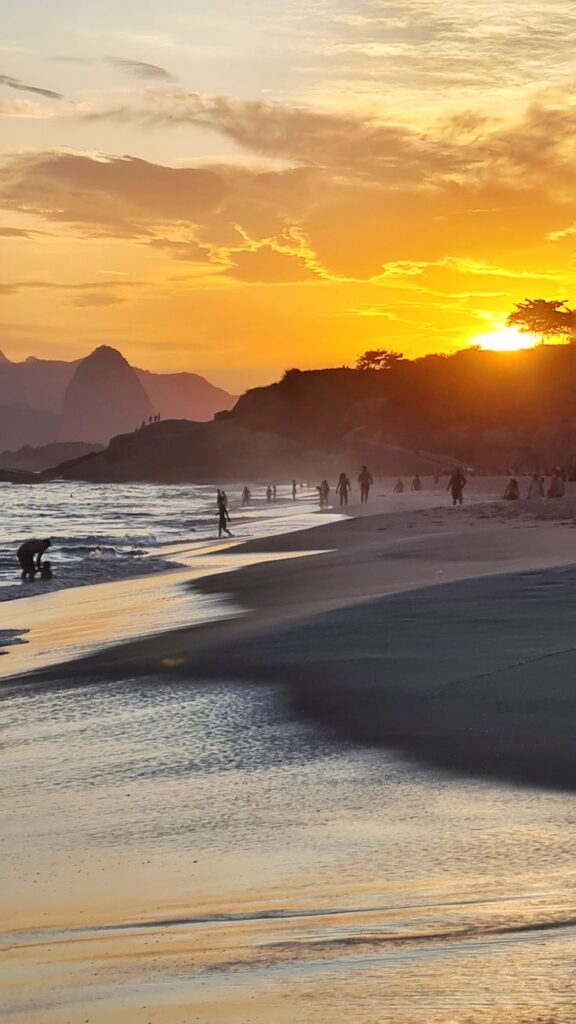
(345, 790)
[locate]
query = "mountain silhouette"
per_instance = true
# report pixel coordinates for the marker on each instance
(32, 396)
(104, 397)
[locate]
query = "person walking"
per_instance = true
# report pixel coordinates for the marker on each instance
(343, 488)
(456, 485)
(365, 480)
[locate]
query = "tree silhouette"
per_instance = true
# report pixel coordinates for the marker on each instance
(378, 359)
(544, 317)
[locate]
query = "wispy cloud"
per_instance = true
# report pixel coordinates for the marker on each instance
(15, 83)
(140, 69)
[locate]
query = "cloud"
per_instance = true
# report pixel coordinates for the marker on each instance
(96, 299)
(267, 265)
(121, 193)
(15, 83)
(140, 69)
(7, 232)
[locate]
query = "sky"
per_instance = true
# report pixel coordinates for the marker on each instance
(237, 188)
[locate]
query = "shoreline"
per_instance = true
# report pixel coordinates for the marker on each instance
(431, 632)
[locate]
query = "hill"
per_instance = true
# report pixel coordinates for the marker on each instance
(485, 409)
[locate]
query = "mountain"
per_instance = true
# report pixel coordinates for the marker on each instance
(21, 424)
(35, 387)
(104, 397)
(184, 395)
(35, 459)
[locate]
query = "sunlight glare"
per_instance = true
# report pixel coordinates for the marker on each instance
(505, 339)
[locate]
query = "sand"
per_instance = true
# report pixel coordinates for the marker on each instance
(349, 882)
(448, 633)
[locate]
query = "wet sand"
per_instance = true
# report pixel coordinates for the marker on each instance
(353, 800)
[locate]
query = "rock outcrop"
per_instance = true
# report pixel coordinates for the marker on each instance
(177, 451)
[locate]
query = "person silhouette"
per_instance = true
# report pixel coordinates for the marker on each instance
(512, 492)
(456, 485)
(223, 519)
(343, 488)
(365, 480)
(399, 486)
(26, 553)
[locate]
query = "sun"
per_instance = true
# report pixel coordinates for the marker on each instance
(505, 339)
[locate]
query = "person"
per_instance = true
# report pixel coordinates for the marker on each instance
(323, 492)
(223, 520)
(294, 490)
(365, 480)
(269, 494)
(26, 553)
(556, 488)
(343, 488)
(46, 571)
(512, 492)
(456, 485)
(246, 495)
(274, 492)
(399, 486)
(416, 483)
(536, 488)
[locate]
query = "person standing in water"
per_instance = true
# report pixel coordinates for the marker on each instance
(223, 519)
(456, 485)
(365, 480)
(294, 490)
(26, 553)
(343, 488)
(416, 483)
(399, 486)
(246, 495)
(269, 494)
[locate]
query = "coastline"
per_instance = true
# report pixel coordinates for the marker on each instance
(425, 631)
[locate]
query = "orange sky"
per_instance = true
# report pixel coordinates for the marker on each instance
(237, 189)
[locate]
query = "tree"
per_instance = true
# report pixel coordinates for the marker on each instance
(378, 359)
(544, 317)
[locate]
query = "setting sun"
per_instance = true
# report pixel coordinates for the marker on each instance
(505, 339)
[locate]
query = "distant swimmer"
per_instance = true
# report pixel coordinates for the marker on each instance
(512, 492)
(323, 492)
(343, 488)
(26, 553)
(536, 489)
(399, 486)
(294, 490)
(365, 480)
(246, 495)
(223, 520)
(456, 485)
(416, 483)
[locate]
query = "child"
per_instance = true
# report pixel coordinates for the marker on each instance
(46, 571)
